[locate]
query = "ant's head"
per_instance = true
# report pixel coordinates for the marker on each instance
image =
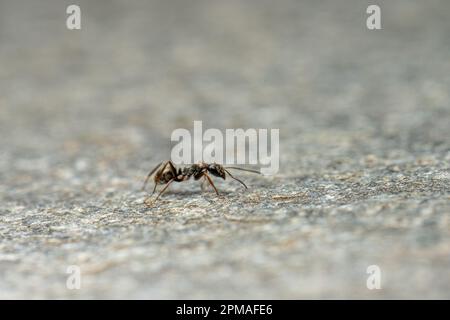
(216, 170)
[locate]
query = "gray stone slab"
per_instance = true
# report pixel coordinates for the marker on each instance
(364, 121)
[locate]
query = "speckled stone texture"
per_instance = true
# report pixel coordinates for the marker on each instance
(364, 119)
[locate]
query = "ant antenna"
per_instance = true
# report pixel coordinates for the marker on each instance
(235, 178)
(248, 170)
(149, 175)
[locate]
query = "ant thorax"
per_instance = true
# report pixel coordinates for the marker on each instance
(190, 171)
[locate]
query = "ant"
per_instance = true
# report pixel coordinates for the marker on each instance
(166, 173)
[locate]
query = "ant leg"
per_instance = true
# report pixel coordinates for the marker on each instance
(164, 189)
(149, 196)
(211, 183)
(154, 189)
(203, 185)
(172, 165)
(150, 174)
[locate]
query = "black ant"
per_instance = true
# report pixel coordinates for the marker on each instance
(168, 173)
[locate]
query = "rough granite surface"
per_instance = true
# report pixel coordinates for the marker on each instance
(364, 119)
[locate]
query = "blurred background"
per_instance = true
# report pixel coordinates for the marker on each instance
(364, 119)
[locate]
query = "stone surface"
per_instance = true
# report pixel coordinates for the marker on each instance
(364, 121)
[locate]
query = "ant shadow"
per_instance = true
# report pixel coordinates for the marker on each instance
(179, 195)
(186, 193)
